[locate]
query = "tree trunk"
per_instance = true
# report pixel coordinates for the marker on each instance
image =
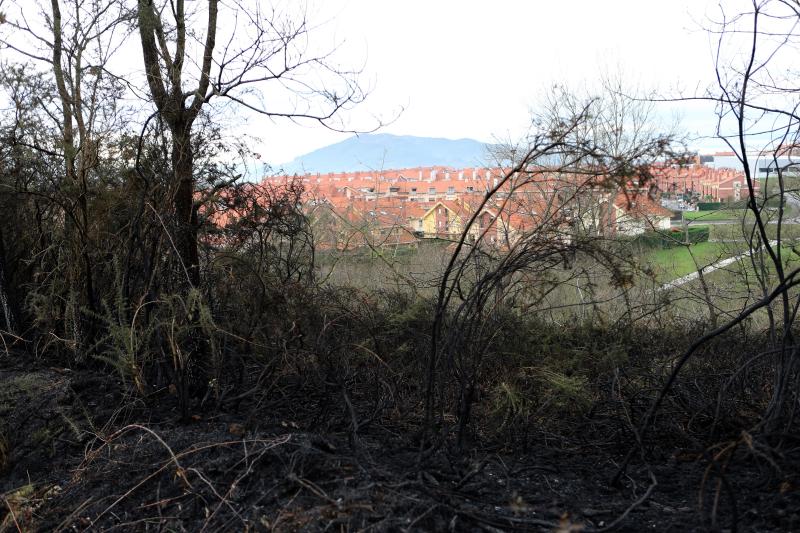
(183, 203)
(6, 303)
(79, 275)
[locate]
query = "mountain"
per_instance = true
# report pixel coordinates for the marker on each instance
(386, 151)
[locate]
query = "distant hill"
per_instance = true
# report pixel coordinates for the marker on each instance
(386, 151)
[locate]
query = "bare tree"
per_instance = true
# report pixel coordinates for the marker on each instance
(244, 54)
(759, 121)
(757, 110)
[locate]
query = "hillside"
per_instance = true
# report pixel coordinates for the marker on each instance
(382, 151)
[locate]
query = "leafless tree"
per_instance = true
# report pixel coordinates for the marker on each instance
(756, 105)
(260, 61)
(759, 121)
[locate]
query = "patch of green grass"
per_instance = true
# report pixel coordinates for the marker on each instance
(789, 259)
(739, 282)
(677, 262)
(720, 214)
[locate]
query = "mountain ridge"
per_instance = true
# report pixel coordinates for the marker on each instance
(388, 151)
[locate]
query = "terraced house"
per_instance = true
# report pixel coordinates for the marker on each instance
(716, 184)
(400, 207)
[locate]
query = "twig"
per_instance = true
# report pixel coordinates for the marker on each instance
(13, 515)
(634, 505)
(789, 282)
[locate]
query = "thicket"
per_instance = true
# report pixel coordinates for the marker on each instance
(263, 313)
(769, 199)
(142, 253)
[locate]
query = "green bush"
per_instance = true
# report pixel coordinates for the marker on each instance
(709, 206)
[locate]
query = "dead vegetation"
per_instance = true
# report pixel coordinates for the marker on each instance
(330, 435)
(179, 354)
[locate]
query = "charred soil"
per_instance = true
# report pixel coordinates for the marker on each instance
(79, 454)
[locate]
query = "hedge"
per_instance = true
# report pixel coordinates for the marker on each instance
(672, 239)
(773, 201)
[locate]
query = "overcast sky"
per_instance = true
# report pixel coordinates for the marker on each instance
(475, 69)
(471, 68)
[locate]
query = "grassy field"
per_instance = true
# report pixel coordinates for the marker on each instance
(676, 262)
(720, 214)
(740, 277)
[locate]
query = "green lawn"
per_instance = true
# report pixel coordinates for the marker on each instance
(740, 278)
(721, 214)
(676, 262)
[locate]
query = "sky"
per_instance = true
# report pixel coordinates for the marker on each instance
(476, 69)
(472, 68)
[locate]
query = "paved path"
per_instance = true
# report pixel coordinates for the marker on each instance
(707, 270)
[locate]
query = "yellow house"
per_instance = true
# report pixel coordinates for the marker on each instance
(447, 219)
(444, 219)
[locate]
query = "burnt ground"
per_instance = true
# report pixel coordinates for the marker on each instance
(79, 454)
